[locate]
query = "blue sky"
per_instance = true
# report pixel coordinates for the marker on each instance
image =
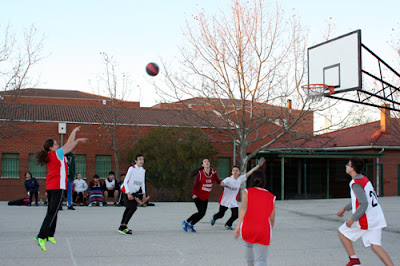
(138, 32)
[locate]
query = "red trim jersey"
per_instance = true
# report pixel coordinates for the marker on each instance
(230, 196)
(373, 217)
(203, 184)
(58, 170)
(134, 180)
(256, 226)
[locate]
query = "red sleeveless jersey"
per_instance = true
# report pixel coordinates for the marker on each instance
(256, 227)
(58, 172)
(204, 187)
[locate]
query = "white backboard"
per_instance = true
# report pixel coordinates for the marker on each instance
(337, 62)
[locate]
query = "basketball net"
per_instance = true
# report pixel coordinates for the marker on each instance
(316, 92)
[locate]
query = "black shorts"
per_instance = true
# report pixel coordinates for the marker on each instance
(110, 193)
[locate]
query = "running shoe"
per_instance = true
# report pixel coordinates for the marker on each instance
(101, 204)
(41, 243)
(71, 208)
(125, 231)
(212, 221)
(185, 226)
(51, 240)
(191, 228)
(353, 262)
(90, 204)
(228, 227)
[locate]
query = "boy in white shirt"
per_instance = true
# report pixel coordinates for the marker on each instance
(80, 187)
(133, 182)
(229, 197)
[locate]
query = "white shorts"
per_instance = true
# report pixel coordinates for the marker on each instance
(371, 236)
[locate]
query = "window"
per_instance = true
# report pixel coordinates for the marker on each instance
(103, 165)
(38, 171)
(80, 164)
(10, 165)
(223, 167)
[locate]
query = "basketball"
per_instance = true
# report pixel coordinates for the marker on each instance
(152, 69)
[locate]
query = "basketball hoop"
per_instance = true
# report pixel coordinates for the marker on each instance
(317, 91)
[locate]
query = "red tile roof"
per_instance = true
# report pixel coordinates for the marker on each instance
(94, 115)
(48, 93)
(369, 134)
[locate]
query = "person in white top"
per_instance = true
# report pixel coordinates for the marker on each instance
(133, 183)
(229, 197)
(80, 187)
(367, 219)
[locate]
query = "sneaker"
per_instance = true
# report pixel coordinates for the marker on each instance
(90, 204)
(61, 208)
(228, 227)
(353, 261)
(115, 204)
(29, 204)
(125, 231)
(101, 204)
(51, 240)
(71, 208)
(41, 242)
(191, 228)
(185, 226)
(212, 221)
(36, 204)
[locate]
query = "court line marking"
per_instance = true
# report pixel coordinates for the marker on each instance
(71, 253)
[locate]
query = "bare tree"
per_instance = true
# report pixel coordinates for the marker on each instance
(245, 66)
(16, 61)
(114, 85)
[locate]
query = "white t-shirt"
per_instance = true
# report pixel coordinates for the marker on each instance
(134, 180)
(80, 185)
(229, 197)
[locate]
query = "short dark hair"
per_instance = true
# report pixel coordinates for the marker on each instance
(96, 176)
(138, 155)
(357, 164)
(111, 173)
(236, 166)
(257, 179)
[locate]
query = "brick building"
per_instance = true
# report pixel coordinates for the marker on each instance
(28, 117)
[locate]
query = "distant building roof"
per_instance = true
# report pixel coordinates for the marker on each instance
(104, 114)
(49, 93)
(366, 135)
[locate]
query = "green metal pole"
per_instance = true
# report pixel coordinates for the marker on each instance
(282, 178)
(327, 179)
(305, 180)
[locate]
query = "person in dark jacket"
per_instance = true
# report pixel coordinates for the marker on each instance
(32, 188)
(71, 175)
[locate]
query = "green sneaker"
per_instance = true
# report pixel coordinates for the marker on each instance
(41, 242)
(125, 231)
(51, 240)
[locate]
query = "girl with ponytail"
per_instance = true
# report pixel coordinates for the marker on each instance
(56, 182)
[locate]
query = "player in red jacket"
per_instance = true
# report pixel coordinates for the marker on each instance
(256, 219)
(56, 182)
(201, 190)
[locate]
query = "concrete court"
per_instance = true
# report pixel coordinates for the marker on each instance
(305, 233)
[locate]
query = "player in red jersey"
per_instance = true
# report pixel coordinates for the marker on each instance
(256, 219)
(201, 190)
(56, 182)
(367, 219)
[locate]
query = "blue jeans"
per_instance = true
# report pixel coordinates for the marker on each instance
(69, 193)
